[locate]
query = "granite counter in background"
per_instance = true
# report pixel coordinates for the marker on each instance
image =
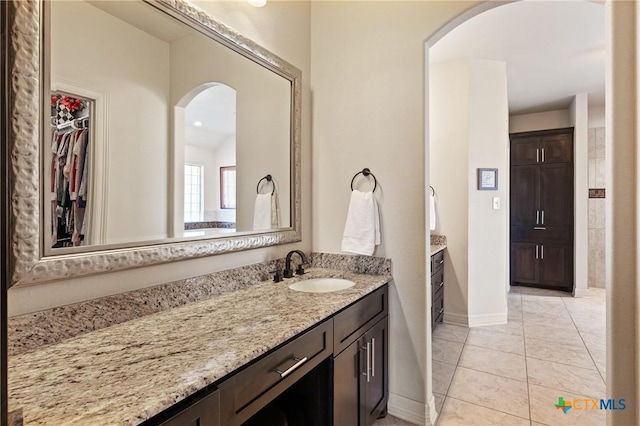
(438, 243)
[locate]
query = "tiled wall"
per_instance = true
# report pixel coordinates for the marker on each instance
(596, 207)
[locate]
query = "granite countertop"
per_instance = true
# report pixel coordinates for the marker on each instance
(435, 248)
(127, 373)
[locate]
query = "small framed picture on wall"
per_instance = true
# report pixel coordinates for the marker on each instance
(487, 179)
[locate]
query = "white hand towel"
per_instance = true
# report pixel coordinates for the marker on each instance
(262, 212)
(275, 212)
(432, 212)
(362, 230)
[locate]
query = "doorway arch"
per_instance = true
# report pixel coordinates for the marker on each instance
(623, 337)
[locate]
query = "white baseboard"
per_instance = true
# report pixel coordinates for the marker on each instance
(580, 292)
(488, 319)
(409, 410)
(433, 414)
(456, 319)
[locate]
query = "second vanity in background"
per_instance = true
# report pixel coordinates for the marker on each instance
(436, 267)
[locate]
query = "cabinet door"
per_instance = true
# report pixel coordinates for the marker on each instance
(376, 383)
(524, 195)
(556, 265)
(524, 263)
(347, 376)
(556, 195)
(525, 150)
(557, 148)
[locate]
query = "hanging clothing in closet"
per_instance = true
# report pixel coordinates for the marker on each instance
(69, 171)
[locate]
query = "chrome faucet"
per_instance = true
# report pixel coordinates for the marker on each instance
(288, 272)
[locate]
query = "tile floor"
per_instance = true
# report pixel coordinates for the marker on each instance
(552, 345)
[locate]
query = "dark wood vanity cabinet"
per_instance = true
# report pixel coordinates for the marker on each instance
(437, 288)
(542, 211)
(360, 369)
(301, 382)
(203, 412)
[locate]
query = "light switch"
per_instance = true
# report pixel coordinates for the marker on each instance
(496, 203)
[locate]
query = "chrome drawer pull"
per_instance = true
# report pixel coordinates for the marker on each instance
(289, 370)
(539, 228)
(441, 284)
(441, 262)
(441, 311)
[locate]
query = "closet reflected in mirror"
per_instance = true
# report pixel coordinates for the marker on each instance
(148, 114)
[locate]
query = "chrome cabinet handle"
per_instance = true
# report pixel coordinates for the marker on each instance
(542, 252)
(368, 349)
(441, 311)
(539, 227)
(536, 251)
(537, 155)
(543, 155)
(441, 262)
(441, 284)
(373, 357)
(542, 217)
(537, 216)
(299, 362)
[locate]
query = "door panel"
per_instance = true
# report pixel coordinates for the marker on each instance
(557, 148)
(556, 262)
(346, 385)
(556, 195)
(524, 195)
(524, 264)
(375, 387)
(525, 150)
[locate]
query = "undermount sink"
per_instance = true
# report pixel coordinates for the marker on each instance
(321, 285)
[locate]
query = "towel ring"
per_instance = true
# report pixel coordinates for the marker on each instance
(269, 179)
(433, 191)
(366, 172)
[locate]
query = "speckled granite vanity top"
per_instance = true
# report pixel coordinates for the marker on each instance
(126, 373)
(435, 248)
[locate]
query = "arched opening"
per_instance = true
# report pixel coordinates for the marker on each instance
(467, 179)
(205, 161)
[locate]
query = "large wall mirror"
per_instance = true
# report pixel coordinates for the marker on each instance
(163, 135)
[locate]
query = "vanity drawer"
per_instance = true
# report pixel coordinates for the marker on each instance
(353, 321)
(204, 412)
(437, 260)
(246, 392)
(437, 282)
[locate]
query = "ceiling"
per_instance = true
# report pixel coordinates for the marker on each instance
(210, 118)
(553, 50)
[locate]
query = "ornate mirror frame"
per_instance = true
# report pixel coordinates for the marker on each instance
(27, 263)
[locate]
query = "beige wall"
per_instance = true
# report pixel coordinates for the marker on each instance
(262, 121)
(468, 130)
(368, 111)
(449, 99)
(283, 28)
(539, 121)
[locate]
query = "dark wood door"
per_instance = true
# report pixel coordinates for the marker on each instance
(557, 148)
(556, 262)
(346, 385)
(525, 195)
(526, 151)
(377, 382)
(556, 195)
(525, 266)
